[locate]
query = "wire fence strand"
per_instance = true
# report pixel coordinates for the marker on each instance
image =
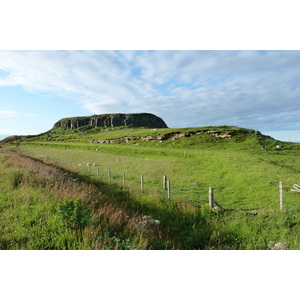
(251, 197)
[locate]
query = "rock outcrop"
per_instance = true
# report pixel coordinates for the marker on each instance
(112, 120)
(168, 136)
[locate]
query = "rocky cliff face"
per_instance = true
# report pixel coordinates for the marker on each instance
(112, 120)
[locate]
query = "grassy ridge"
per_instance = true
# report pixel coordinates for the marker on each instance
(83, 134)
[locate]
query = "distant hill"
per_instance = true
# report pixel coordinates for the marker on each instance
(2, 137)
(146, 120)
(9, 139)
(147, 129)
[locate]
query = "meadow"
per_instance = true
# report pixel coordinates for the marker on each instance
(244, 170)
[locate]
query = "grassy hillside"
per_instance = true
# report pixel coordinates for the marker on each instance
(242, 165)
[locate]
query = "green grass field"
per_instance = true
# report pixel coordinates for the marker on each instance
(244, 170)
(243, 173)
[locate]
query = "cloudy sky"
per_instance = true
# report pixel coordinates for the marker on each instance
(252, 89)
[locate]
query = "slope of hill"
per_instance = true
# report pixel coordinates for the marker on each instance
(195, 137)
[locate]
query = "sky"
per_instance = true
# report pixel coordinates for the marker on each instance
(247, 88)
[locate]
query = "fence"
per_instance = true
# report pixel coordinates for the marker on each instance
(274, 196)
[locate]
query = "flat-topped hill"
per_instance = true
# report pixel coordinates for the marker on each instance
(146, 120)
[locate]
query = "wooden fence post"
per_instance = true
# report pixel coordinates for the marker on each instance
(123, 178)
(211, 197)
(142, 183)
(280, 196)
(169, 189)
(165, 182)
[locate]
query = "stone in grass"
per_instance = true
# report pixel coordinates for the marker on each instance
(216, 208)
(238, 209)
(278, 246)
(150, 220)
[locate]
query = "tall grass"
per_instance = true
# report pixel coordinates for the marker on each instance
(32, 213)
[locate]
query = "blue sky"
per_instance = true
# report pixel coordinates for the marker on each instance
(252, 89)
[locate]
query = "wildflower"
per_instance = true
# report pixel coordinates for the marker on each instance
(204, 207)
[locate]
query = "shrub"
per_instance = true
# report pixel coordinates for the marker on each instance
(73, 214)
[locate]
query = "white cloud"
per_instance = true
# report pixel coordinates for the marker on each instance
(244, 88)
(12, 114)
(7, 114)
